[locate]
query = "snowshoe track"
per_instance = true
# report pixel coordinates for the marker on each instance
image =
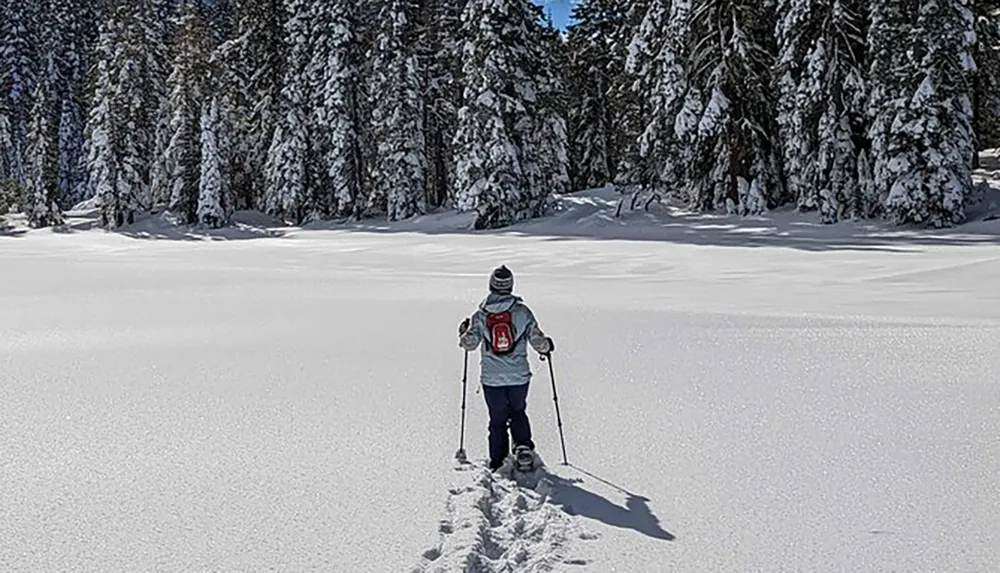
(494, 526)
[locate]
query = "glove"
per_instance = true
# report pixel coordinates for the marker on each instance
(462, 328)
(552, 345)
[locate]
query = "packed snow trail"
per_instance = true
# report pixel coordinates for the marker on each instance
(498, 523)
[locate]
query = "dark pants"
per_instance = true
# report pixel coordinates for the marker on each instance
(507, 404)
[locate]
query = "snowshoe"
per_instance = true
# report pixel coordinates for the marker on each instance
(525, 467)
(524, 459)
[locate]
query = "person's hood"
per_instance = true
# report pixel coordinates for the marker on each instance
(497, 302)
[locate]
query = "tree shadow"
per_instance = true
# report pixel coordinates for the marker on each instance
(201, 234)
(12, 232)
(163, 226)
(636, 515)
(591, 216)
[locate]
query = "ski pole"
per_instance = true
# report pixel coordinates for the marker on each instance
(555, 399)
(460, 454)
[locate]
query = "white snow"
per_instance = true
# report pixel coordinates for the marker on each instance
(737, 394)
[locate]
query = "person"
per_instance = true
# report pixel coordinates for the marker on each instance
(504, 326)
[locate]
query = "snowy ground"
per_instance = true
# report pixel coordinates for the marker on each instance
(737, 395)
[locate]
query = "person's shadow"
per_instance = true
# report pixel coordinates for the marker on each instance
(575, 500)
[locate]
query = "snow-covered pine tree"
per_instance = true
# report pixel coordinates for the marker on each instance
(19, 29)
(42, 193)
(129, 55)
(736, 161)
(213, 207)
(104, 123)
(498, 106)
(251, 65)
(11, 168)
(160, 177)
(331, 73)
(366, 30)
(8, 155)
(921, 103)
(287, 194)
(229, 81)
(218, 18)
(187, 94)
(73, 21)
(142, 89)
(888, 74)
(657, 56)
(102, 157)
(399, 168)
(439, 53)
(72, 179)
(165, 13)
(986, 86)
(591, 76)
(8, 189)
(821, 83)
(545, 141)
(627, 96)
(160, 62)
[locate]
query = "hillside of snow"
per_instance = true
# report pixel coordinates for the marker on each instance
(737, 394)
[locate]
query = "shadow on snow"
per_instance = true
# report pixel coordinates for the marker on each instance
(590, 215)
(576, 500)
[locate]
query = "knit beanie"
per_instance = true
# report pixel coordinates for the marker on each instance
(502, 281)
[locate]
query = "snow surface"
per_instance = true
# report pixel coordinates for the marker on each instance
(737, 394)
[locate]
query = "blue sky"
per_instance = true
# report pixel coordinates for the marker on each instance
(559, 10)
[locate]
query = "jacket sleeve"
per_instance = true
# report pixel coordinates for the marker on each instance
(474, 336)
(536, 337)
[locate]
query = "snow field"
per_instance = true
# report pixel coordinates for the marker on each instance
(757, 394)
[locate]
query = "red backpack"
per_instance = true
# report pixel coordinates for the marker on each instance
(501, 332)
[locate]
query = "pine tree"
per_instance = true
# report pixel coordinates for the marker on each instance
(161, 110)
(332, 75)
(212, 204)
(218, 18)
(10, 169)
(627, 96)
(141, 60)
(19, 29)
(499, 107)
(400, 165)
(986, 82)
(42, 206)
(103, 141)
(160, 176)
(366, 30)
(736, 163)
(440, 59)
(187, 94)
(887, 76)
(593, 72)
(73, 21)
(102, 159)
(657, 57)
(545, 141)
(251, 66)
(288, 187)
(120, 146)
(921, 104)
(821, 81)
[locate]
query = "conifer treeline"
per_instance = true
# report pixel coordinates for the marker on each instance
(316, 110)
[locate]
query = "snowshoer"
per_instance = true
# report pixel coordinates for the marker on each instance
(505, 326)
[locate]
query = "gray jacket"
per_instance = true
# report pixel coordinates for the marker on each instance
(508, 369)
